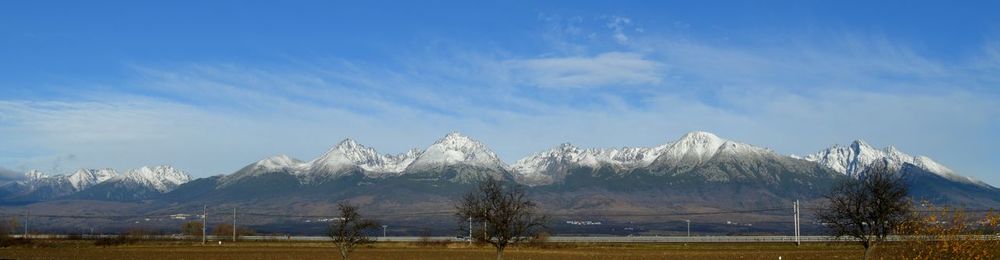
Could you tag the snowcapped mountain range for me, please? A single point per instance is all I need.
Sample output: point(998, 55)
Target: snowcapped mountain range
point(79, 180)
point(461, 159)
point(345, 158)
point(37, 184)
point(348, 158)
point(551, 166)
point(692, 149)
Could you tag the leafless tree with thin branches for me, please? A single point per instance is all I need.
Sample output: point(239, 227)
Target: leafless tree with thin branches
point(869, 208)
point(504, 210)
point(349, 231)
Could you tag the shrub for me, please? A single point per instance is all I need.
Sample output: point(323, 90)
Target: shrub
point(112, 241)
point(951, 234)
point(540, 239)
point(9, 242)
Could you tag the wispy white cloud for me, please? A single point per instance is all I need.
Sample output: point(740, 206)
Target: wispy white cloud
point(618, 26)
point(849, 62)
point(606, 69)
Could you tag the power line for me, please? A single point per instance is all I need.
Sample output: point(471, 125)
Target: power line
point(932, 211)
point(234, 224)
point(204, 225)
point(450, 212)
point(670, 214)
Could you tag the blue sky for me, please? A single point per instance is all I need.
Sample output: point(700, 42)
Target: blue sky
point(210, 87)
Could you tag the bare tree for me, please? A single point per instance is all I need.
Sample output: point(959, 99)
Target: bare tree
point(191, 228)
point(505, 212)
point(7, 228)
point(349, 231)
point(869, 208)
point(226, 230)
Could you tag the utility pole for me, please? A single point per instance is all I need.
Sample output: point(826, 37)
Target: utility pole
point(470, 231)
point(689, 226)
point(798, 222)
point(204, 223)
point(796, 208)
point(795, 220)
point(234, 224)
point(27, 215)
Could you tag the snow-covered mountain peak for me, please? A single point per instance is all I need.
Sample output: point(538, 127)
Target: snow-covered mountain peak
point(695, 148)
point(84, 178)
point(456, 148)
point(701, 143)
point(162, 178)
point(850, 160)
point(549, 166)
point(65, 183)
point(697, 145)
point(278, 162)
point(346, 153)
point(346, 158)
point(861, 144)
point(701, 137)
point(565, 152)
point(273, 164)
point(394, 164)
point(456, 139)
point(34, 175)
point(567, 148)
point(348, 144)
point(349, 156)
point(854, 159)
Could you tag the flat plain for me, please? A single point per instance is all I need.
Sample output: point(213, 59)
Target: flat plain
point(451, 251)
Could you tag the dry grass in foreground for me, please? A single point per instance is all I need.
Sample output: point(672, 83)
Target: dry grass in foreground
point(455, 251)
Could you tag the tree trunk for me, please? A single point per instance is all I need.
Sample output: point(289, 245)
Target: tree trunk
point(344, 254)
point(868, 251)
point(499, 253)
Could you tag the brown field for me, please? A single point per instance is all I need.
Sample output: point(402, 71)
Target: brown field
point(303, 250)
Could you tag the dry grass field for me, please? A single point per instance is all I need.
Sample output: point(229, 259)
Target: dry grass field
point(301, 250)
